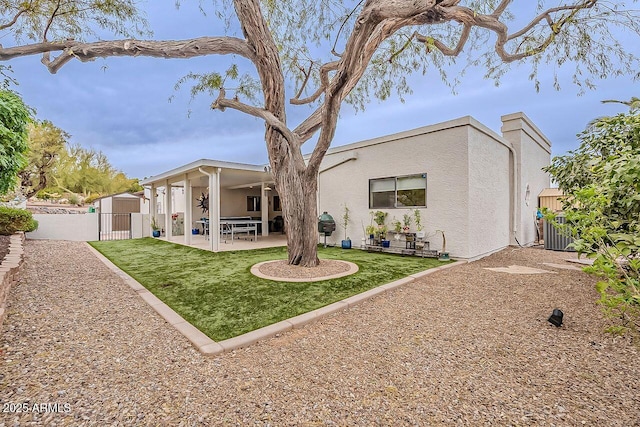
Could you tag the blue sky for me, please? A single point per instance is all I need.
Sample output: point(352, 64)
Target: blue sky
point(121, 106)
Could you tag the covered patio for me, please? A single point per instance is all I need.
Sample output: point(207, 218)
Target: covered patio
point(197, 202)
point(199, 241)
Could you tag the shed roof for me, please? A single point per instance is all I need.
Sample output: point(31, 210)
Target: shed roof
point(551, 192)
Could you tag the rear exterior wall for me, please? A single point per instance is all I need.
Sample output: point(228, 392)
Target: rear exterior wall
point(441, 154)
point(489, 194)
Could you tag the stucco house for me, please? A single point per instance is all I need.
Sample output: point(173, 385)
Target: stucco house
point(475, 186)
point(478, 187)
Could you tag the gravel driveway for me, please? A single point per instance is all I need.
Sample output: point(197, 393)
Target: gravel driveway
point(464, 346)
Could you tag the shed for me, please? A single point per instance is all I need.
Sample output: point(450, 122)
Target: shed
point(551, 198)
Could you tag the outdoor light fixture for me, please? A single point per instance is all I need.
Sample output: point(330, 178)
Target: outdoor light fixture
point(556, 317)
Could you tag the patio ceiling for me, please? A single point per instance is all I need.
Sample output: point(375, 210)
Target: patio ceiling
point(232, 175)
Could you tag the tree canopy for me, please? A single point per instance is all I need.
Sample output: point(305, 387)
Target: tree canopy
point(88, 172)
point(46, 143)
point(321, 54)
point(14, 118)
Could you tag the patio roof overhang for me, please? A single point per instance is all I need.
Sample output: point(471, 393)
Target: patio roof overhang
point(233, 175)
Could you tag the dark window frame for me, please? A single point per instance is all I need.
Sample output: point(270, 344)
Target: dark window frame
point(395, 191)
point(253, 204)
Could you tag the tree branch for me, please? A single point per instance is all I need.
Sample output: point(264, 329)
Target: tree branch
point(15, 18)
point(547, 15)
point(50, 21)
point(168, 49)
point(501, 8)
point(324, 79)
point(270, 119)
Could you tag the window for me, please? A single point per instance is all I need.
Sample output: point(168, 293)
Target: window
point(253, 203)
point(276, 203)
point(398, 192)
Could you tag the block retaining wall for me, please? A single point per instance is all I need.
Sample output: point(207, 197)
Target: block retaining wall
point(9, 270)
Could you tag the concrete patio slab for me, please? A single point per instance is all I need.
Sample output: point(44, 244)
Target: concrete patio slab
point(519, 269)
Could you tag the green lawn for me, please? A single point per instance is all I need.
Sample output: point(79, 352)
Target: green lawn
point(217, 294)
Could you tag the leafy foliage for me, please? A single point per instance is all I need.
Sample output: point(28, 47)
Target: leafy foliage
point(14, 118)
point(87, 171)
point(12, 220)
point(46, 143)
point(602, 180)
point(58, 20)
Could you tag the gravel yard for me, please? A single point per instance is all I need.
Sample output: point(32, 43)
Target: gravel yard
point(463, 346)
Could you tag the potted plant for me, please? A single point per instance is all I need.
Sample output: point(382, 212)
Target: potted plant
point(406, 222)
point(379, 217)
point(346, 243)
point(382, 230)
point(370, 231)
point(155, 227)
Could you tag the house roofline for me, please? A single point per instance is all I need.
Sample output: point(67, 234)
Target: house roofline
point(118, 194)
point(195, 165)
point(437, 127)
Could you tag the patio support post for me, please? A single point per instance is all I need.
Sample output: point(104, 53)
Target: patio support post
point(188, 215)
point(167, 210)
point(265, 210)
point(214, 208)
point(153, 205)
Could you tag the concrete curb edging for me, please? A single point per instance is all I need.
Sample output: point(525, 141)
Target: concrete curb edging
point(255, 270)
point(11, 265)
point(208, 347)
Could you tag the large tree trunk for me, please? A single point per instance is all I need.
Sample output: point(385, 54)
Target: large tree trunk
point(298, 193)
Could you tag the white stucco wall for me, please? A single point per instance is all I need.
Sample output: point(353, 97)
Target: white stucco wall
point(534, 153)
point(440, 151)
point(76, 227)
point(470, 182)
point(489, 193)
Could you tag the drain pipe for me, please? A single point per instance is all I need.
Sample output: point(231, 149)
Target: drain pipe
point(214, 215)
point(514, 195)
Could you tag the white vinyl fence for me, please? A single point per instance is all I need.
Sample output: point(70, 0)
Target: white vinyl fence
point(82, 227)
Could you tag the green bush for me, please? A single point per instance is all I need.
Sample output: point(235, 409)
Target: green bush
point(12, 220)
point(90, 198)
point(74, 199)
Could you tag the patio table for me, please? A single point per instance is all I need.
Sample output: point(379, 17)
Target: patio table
point(233, 227)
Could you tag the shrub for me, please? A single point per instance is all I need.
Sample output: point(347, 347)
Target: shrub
point(602, 211)
point(90, 198)
point(74, 199)
point(12, 220)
